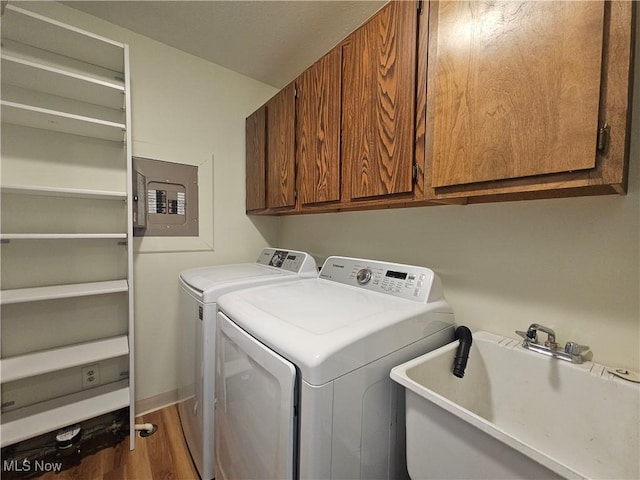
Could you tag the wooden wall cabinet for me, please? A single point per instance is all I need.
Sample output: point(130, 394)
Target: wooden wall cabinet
point(318, 130)
point(256, 158)
point(281, 115)
point(344, 128)
point(270, 155)
point(378, 104)
point(521, 96)
point(455, 102)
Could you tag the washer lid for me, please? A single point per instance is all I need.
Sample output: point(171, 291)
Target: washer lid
point(329, 329)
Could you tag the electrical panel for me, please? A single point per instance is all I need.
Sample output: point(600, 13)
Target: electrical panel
point(166, 198)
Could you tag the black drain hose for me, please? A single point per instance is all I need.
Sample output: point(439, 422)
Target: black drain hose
point(463, 334)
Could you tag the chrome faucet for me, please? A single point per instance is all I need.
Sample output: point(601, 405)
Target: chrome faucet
point(572, 351)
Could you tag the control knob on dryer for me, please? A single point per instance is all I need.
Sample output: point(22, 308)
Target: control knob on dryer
point(364, 276)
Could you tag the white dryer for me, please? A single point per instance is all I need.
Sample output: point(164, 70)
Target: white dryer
point(199, 292)
point(302, 373)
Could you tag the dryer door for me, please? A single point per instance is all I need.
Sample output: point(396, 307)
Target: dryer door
point(255, 418)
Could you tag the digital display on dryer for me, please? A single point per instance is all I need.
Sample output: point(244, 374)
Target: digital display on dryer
point(392, 274)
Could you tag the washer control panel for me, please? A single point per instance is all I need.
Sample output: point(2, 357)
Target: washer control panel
point(406, 281)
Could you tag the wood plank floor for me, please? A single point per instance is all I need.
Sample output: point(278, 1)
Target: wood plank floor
point(161, 456)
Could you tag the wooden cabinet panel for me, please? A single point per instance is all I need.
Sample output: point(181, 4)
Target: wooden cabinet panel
point(256, 144)
point(513, 89)
point(281, 111)
point(318, 130)
point(378, 88)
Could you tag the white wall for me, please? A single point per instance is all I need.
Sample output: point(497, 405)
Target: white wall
point(184, 110)
point(571, 264)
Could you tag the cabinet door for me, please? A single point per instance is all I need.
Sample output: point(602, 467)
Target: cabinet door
point(318, 130)
point(513, 89)
point(281, 117)
point(378, 85)
point(256, 150)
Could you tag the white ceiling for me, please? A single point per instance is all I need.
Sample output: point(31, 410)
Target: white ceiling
point(270, 41)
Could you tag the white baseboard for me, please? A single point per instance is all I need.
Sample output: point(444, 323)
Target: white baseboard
point(148, 405)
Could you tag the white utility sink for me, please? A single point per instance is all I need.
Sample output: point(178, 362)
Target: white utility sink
point(518, 414)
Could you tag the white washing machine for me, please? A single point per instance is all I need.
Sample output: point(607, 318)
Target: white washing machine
point(302, 373)
point(200, 289)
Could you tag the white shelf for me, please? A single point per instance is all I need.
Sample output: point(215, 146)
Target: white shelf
point(63, 192)
point(36, 117)
point(54, 292)
point(32, 29)
point(61, 236)
point(63, 63)
point(55, 81)
point(48, 416)
point(38, 363)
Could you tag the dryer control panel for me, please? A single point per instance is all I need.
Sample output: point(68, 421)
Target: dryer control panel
point(407, 281)
point(290, 260)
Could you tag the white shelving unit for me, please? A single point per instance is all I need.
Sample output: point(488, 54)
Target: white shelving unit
point(45, 77)
point(54, 292)
point(62, 192)
point(62, 79)
point(44, 118)
point(62, 411)
point(54, 236)
point(39, 363)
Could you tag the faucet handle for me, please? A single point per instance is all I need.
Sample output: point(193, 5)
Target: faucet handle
point(528, 337)
point(531, 335)
point(573, 348)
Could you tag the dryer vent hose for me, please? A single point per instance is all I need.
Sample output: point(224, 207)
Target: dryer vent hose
point(463, 334)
